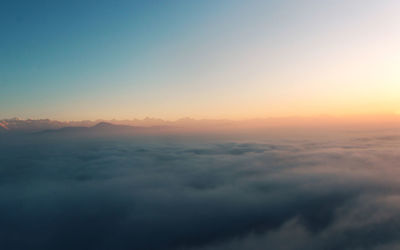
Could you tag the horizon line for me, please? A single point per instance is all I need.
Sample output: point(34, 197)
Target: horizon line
point(332, 116)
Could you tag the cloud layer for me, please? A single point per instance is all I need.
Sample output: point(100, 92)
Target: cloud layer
point(167, 193)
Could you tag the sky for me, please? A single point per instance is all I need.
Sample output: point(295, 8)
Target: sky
point(75, 60)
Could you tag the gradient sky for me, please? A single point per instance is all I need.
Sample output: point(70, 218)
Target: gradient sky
point(73, 60)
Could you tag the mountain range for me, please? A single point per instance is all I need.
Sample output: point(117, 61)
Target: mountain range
point(151, 124)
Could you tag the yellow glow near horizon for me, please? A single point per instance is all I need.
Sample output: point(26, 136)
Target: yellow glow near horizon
point(232, 60)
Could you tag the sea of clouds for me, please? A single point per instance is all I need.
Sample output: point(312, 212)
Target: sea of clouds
point(221, 194)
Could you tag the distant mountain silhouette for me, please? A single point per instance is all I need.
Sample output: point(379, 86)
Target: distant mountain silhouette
point(110, 126)
point(102, 128)
point(104, 125)
point(19, 126)
point(32, 126)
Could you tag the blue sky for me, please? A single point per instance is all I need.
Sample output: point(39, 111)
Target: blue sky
point(205, 59)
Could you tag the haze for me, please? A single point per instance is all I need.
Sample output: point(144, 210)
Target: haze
point(199, 125)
